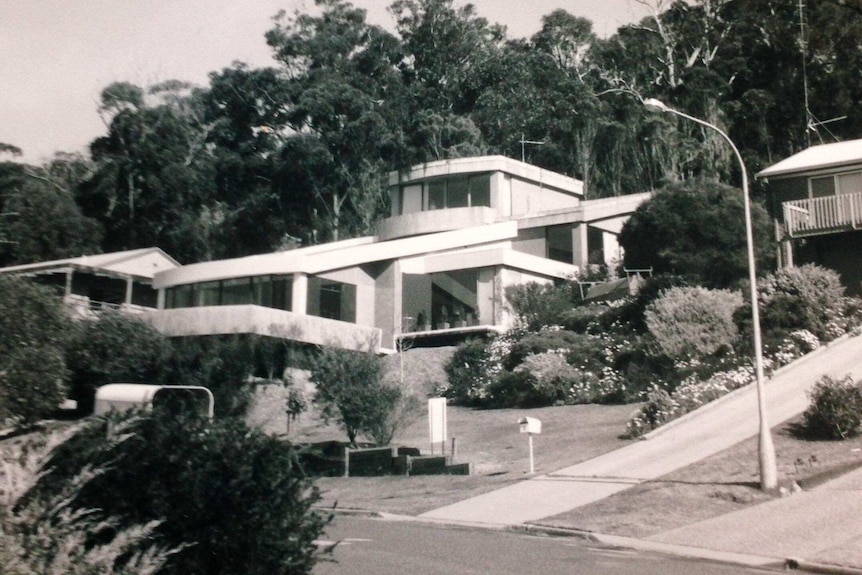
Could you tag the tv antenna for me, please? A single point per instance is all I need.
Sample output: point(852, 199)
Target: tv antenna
point(812, 124)
point(524, 144)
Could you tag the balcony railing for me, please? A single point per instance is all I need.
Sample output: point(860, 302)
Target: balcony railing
point(827, 215)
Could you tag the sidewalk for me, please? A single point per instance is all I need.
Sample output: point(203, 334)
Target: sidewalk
point(822, 526)
point(711, 429)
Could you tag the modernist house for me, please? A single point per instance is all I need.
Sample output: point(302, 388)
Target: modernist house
point(815, 200)
point(117, 280)
point(459, 233)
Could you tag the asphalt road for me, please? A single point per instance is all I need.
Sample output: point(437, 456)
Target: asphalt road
point(386, 547)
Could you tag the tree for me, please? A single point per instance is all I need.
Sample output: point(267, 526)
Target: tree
point(696, 228)
point(232, 499)
point(115, 348)
point(34, 330)
point(350, 390)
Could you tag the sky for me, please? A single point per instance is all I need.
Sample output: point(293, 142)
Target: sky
point(58, 55)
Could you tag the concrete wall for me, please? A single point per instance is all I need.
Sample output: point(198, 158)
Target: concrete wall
point(531, 241)
point(529, 197)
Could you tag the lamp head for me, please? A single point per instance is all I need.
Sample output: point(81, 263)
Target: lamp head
point(654, 105)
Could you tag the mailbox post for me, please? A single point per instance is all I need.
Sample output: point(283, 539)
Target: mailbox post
point(530, 425)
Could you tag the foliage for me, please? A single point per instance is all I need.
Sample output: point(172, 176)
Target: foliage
point(224, 365)
point(350, 389)
point(465, 370)
point(807, 297)
point(835, 409)
point(114, 348)
point(696, 228)
point(538, 305)
point(693, 322)
point(238, 498)
point(34, 330)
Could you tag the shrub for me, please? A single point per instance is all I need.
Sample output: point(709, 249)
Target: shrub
point(549, 340)
point(34, 330)
point(693, 322)
point(223, 364)
point(114, 348)
point(350, 389)
point(835, 411)
point(467, 372)
point(806, 297)
point(538, 305)
point(239, 498)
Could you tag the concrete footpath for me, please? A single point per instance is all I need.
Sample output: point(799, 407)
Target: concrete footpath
point(821, 527)
point(711, 429)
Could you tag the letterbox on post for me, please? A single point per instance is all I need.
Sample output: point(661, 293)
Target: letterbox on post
point(530, 425)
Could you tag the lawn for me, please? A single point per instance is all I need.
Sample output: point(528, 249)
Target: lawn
point(490, 440)
point(722, 483)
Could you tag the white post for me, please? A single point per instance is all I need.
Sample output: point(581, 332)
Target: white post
point(532, 468)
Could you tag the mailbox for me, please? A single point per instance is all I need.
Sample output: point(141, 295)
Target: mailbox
point(530, 425)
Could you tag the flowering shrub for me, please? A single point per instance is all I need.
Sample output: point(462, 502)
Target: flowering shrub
point(693, 321)
point(808, 297)
point(659, 408)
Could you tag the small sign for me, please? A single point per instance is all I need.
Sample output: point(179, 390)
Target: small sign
point(437, 420)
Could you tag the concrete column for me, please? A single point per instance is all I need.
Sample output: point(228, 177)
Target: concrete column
point(129, 287)
point(580, 249)
point(611, 248)
point(161, 299)
point(299, 302)
point(68, 289)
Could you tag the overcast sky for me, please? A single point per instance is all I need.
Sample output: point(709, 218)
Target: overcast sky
point(57, 55)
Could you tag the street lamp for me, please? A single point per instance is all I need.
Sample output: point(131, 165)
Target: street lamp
point(766, 449)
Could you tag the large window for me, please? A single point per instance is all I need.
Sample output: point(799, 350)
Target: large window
point(266, 291)
point(823, 186)
point(331, 299)
point(454, 192)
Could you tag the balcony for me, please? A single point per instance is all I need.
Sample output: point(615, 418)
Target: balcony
point(433, 221)
point(826, 215)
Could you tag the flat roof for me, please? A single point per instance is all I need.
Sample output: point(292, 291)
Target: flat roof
point(142, 263)
point(820, 157)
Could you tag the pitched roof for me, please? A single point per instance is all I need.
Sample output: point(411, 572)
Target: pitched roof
point(816, 158)
point(144, 262)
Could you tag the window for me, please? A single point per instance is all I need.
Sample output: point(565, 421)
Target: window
point(821, 187)
point(458, 192)
point(266, 291)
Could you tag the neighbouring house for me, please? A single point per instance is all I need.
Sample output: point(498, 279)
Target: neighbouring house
point(116, 280)
point(815, 200)
point(460, 231)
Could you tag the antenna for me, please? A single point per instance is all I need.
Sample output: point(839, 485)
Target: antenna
point(524, 143)
point(811, 122)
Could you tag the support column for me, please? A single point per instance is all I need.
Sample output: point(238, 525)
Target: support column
point(129, 287)
point(299, 299)
point(580, 247)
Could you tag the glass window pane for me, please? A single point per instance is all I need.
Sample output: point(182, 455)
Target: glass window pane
point(207, 293)
point(411, 199)
point(821, 187)
point(437, 195)
point(237, 292)
point(458, 193)
point(480, 190)
point(850, 183)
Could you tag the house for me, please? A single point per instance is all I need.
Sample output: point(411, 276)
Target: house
point(815, 200)
point(117, 280)
point(460, 231)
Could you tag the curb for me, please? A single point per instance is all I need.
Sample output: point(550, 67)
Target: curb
point(618, 542)
point(746, 388)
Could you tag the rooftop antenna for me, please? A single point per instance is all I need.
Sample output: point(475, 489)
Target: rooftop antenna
point(811, 122)
point(523, 146)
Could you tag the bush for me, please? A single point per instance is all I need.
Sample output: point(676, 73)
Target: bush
point(114, 348)
point(350, 389)
point(806, 297)
point(835, 411)
point(34, 331)
point(237, 498)
point(539, 305)
point(466, 372)
point(693, 322)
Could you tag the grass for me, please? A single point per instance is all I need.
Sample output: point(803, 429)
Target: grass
point(722, 483)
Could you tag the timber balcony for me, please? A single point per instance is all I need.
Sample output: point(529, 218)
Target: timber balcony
point(826, 215)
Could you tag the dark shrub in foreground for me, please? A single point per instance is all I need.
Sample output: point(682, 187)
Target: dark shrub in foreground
point(238, 498)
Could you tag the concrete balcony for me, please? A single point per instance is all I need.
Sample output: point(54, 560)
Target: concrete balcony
point(432, 221)
point(253, 319)
point(826, 215)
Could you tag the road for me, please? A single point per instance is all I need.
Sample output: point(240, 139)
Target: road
point(386, 547)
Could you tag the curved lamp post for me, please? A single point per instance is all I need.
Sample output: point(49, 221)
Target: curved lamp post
point(766, 449)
